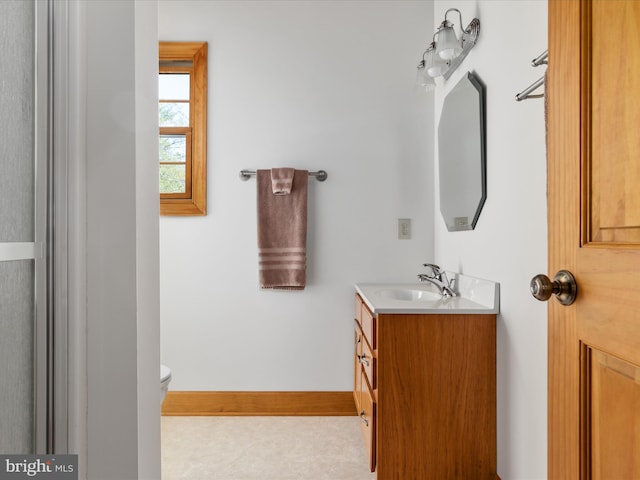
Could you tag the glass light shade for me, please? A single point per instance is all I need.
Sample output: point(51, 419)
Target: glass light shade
point(423, 80)
point(448, 46)
point(434, 65)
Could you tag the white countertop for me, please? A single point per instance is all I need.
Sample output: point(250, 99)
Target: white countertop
point(475, 296)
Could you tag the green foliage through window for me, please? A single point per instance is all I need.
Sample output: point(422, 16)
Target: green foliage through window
point(172, 178)
point(173, 155)
point(174, 114)
point(173, 148)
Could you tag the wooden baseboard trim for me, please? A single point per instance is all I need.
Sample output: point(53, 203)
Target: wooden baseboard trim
point(190, 403)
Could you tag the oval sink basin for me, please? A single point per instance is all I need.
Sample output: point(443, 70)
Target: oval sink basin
point(410, 295)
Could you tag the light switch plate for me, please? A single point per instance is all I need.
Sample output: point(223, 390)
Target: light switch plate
point(404, 228)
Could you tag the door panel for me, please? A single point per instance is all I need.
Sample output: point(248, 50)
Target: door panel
point(17, 144)
point(615, 424)
point(17, 221)
point(608, 286)
point(593, 147)
point(24, 390)
point(17, 356)
point(613, 183)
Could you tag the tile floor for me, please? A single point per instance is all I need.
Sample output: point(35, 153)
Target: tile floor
point(263, 448)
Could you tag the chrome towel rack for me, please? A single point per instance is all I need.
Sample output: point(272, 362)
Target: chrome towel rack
point(541, 59)
point(320, 175)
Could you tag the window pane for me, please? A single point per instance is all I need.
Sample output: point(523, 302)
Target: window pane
point(173, 86)
point(174, 114)
point(172, 178)
point(173, 149)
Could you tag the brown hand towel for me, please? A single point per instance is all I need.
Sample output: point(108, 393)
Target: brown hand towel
point(282, 232)
point(282, 180)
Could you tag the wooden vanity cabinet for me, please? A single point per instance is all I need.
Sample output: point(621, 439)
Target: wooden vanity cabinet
point(364, 382)
point(428, 398)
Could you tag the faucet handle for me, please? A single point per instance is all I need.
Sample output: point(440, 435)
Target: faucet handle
point(453, 284)
point(435, 269)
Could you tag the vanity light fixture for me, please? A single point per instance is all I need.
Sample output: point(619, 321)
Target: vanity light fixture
point(447, 50)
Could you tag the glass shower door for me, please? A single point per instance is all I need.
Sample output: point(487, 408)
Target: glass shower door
point(22, 230)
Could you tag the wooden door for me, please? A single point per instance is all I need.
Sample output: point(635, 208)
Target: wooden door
point(593, 95)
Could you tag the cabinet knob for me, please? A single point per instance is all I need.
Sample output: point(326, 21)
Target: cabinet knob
point(363, 417)
point(363, 359)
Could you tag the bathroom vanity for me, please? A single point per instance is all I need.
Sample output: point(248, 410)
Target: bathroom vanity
point(425, 379)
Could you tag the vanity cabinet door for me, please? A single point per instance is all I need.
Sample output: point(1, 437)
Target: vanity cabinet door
point(357, 369)
point(365, 405)
point(368, 323)
point(365, 377)
point(368, 424)
point(368, 362)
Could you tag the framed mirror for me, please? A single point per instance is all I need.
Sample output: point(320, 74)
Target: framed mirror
point(462, 154)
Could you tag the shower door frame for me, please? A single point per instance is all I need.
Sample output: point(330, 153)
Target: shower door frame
point(57, 420)
point(52, 413)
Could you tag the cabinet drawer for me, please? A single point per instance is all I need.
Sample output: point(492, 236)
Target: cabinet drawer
point(368, 362)
point(368, 425)
point(368, 323)
point(357, 339)
point(357, 368)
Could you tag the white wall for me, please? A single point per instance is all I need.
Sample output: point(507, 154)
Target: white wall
point(509, 243)
point(317, 85)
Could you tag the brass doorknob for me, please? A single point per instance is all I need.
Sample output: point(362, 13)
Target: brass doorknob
point(563, 286)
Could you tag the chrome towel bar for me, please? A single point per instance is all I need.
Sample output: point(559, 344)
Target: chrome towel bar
point(320, 175)
point(526, 93)
point(541, 59)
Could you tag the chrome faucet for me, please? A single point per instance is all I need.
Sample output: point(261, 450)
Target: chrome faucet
point(439, 278)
